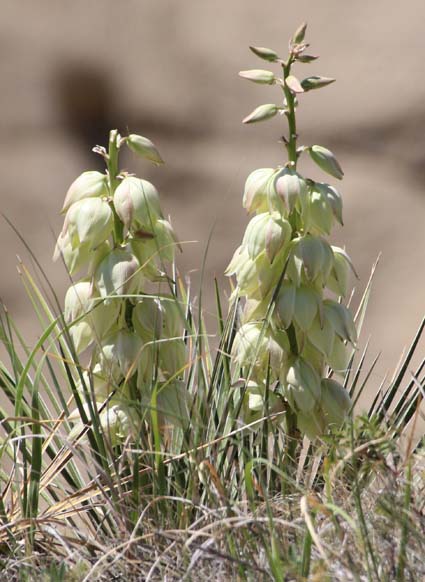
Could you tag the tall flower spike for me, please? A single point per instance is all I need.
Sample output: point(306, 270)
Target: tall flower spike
point(114, 229)
point(285, 258)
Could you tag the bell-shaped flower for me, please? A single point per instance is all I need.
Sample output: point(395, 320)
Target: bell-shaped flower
point(78, 300)
point(137, 203)
point(255, 309)
point(74, 259)
point(89, 185)
point(158, 316)
point(117, 420)
point(302, 386)
point(118, 273)
point(338, 279)
point(341, 320)
point(311, 255)
point(250, 345)
point(172, 357)
point(255, 192)
point(335, 402)
point(147, 366)
point(333, 198)
point(339, 358)
point(257, 347)
point(288, 191)
point(96, 384)
point(147, 256)
point(285, 304)
point(82, 255)
point(83, 306)
point(307, 304)
point(259, 401)
point(81, 334)
point(310, 353)
point(312, 424)
point(322, 335)
point(165, 240)
point(119, 354)
point(257, 277)
point(266, 232)
point(299, 304)
point(171, 402)
point(318, 217)
point(149, 318)
point(88, 221)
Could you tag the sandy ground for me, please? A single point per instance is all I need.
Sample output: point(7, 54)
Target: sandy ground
point(70, 71)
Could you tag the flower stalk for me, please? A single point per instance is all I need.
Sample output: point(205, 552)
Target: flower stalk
point(285, 270)
point(114, 231)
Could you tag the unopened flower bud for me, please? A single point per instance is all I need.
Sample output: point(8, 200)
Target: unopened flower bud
point(303, 58)
point(89, 185)
point(299, 34)
point(142, 146)
point(88, 221)
point(315, 82)
point(264, 53)
point(326, 161)
point(258, 76)
point(261, 113)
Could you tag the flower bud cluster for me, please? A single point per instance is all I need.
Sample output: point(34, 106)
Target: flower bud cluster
point(115, 231)
point(293, 326)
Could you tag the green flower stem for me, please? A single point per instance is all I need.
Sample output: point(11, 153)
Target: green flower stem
point(112, 164)
point(291, 145)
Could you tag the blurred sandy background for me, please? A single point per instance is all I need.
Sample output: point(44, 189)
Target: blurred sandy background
point(72, 70)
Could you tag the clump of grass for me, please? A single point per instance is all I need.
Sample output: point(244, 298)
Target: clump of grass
point(222, 497)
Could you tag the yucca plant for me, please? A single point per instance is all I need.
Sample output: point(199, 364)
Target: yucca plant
point(132, 449)
point(293, 334)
